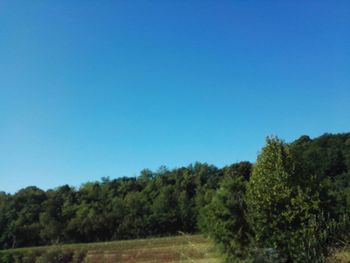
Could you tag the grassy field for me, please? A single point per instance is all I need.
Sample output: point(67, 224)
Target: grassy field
point(182, 248)
point(341, 256)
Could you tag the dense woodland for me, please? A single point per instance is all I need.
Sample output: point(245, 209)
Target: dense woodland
point(296, 197)
point(153, 204)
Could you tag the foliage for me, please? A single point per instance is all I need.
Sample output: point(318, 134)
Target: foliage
point(43, 255)
point(225, 219)
point(154, 204)
point(284, 214)
point(294, 206)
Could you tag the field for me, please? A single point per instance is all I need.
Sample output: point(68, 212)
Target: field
point(341, 256)
point(182, 248)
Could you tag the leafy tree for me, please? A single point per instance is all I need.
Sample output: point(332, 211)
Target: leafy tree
point(299, 190)
point(225, 219)
point(51, 219)
point(134, 224)
point(284, 216)
point(164, 219)
point(25, 227)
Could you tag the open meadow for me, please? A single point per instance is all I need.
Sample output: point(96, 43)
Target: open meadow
point(182, 248)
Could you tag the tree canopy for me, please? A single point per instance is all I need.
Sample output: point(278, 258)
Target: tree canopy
point(293, 201)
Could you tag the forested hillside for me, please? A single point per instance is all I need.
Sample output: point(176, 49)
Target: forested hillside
point(154, 204)
point(200, 197)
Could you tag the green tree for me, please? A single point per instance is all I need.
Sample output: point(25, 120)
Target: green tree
point(52, 221)
point(164, 218)
point(284, 215)
point(25, 227)
point(224, 219)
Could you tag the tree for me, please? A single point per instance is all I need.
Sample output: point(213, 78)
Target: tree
point(284, 215)
point(25, 227)
point(224, 219)
point(298, 197)
point(164, 218)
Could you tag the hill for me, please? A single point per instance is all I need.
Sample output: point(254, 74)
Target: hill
point(199, 198)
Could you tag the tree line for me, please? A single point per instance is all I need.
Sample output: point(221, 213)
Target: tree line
point(292, 204)
point(153, 204)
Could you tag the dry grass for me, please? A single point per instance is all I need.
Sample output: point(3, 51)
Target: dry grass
point(177, 249)
point(340, 256)
point(174, 249)
point(181, 249)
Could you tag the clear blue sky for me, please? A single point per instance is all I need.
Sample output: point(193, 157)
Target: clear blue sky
point(106, 88)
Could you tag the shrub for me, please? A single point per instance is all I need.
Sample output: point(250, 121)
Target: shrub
point(56, 256)
point(30, 256)
point(79, 256)
point(6, 258)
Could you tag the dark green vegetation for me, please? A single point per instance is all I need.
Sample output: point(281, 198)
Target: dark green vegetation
point(154, 204)
point(182, 248)
point(295, 207)
point(292, 206)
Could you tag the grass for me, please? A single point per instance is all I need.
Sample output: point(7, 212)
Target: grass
point(340, 256)
point(178, 249)
point(183, 248)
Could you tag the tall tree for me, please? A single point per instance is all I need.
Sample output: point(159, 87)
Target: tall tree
point(282, 213)
point(225, 219)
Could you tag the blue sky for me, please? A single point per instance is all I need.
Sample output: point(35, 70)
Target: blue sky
point(107, 88)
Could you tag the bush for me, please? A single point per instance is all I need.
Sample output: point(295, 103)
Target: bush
point(79, 256)
point(30, 256)
point(6, 258)
point(55, 256)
